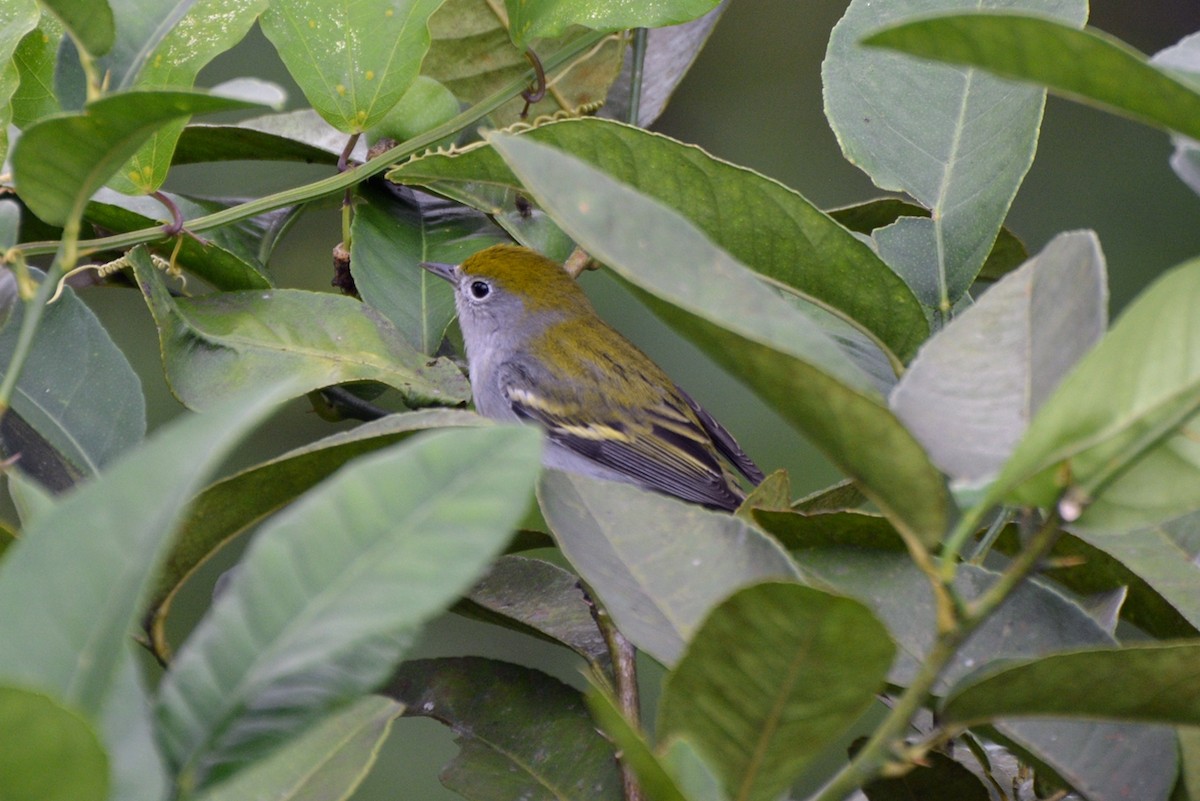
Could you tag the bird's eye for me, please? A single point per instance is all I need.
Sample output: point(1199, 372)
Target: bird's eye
point(480, 289)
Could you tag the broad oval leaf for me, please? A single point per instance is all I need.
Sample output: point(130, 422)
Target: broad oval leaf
point(328, 761)
point(958, 140)
point(522, 734)
point(531, 19)
point(656, 563)
point(48, 751)
point(309, 620)
point(35, 59)
point(1081, 64)
point(772, 674)
point(743, 324)
point(972, 390)
point(59, 162)
point(16, 20)
point(214, 344)
point(78, 403)
point(71, 574)
point(89, 21)
point(353, 61)
point(234, 504)
point(1117, 432)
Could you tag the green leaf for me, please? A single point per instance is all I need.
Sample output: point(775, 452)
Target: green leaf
point(1184, 58)
point(214, 344)
point(656, 563)
point(473, 56)
point(310, 621)
point(170, 52)
point(90, 22)
point(226, 257)
point(1115, 432)
point(1189, 764)
point(353, 61)
point(539, 597)
point(297, 139)
point(78, 403)
point(390, 239)
point(425, 105)
point(48, 751)
point(971, 392)
point(694, 776)
point(72, 575)
point(137, 770)
point(766, 226)
point(234, 504)
point(522, 734)
point(958, 140)
point(743, 324)
point(634, 750)
point(807, 664)
point(1158, 684)
point(16, 20)
point(531, 19)
point(35, 58)
point(325, 763)
point(1086, 65)
point(59, 162)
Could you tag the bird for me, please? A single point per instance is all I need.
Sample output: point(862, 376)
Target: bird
point(537, 352)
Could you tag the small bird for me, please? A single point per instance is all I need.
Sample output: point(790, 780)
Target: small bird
point(538, 352)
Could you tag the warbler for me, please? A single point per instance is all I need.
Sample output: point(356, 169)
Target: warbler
point(537, 351)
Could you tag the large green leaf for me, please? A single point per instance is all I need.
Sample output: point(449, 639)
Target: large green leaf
point(1184, 58)
point(234, 504)
point(310, 620)
point(1115, 433)
point(89, 21)
point(59, 162)
point(805, 665)
point(214, 344)
point(72, 575)
point(1157, 683)
point(353, 60)
point(17, 19)
point(137, 769)
point(1085, 65)
point(48, 752)
point(766, 226)
point(170, 51)
point(325, 763)
point(522, 734)
point(35, 58)
point(971, 392)
point(742, 323)
point(391, 238)
point(78, 403)
point(656, 563)
point(958, 140)
point(531, 19)
point(473, 56)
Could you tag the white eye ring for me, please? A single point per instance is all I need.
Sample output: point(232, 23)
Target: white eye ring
point(480, 289)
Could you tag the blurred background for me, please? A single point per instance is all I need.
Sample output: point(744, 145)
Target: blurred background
point(753, 98)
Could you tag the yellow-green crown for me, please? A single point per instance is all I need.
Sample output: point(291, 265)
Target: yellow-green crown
point(541, 282)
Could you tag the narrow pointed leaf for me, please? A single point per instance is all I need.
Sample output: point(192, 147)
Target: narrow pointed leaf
point(522, 734)
point(1119, 429)
point(636, 755)
point(48, 751)
point(743, 324)
point(89, 21)
point(325, 763)
point(1086, 65)
point(310, 621)
point(59, 162)
point(531, 19)
point(353, 61)
point(1158, 684)
point(78, 403)
point(214, 344)
point(771, 676)
point(957, 139)
point(233, 505)
point(971, 392)
point(71, 573)
point(656, 563)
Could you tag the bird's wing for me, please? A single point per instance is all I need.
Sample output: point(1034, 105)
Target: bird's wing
point(724, 441)
point(665, 446)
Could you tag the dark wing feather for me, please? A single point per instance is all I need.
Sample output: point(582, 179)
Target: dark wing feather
point(636, 445)
point(724, 441)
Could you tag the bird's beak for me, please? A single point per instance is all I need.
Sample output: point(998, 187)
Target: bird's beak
point(442, 270)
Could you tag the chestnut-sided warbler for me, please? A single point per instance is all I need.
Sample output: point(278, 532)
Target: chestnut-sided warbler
point(537, 351)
